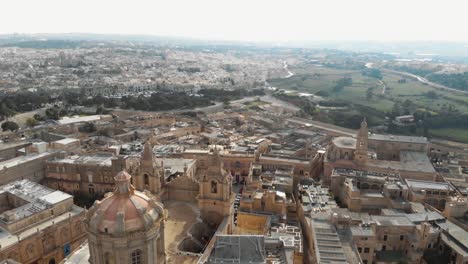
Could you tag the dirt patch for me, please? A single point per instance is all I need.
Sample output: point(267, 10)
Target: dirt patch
point(181, 217)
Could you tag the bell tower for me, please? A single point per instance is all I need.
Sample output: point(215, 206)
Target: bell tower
point(149, 176)
point(362, 143)
point(215, 194)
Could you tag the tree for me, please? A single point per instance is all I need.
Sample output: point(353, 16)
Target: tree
point(52, 113)
point(342, 83)
point(38, 117)
point(322, 93)
point(5, 111)
point(31, 122)
point(226, 103)
point(374, 73)
point(431, 94)
point(87, 127)
point(99, 110)
point(9, 125)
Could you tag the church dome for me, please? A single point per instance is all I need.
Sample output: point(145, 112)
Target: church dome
point(125, 210)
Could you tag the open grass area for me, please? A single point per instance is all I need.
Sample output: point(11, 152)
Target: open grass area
point(314, 78)
point(456, 134)
point(414, 91)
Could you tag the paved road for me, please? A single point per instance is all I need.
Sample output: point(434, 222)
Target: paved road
point(290, 73)
point(384, 87)
point(425, 81)
point(418, 78)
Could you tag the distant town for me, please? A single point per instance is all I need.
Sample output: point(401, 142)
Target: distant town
point(142, 151)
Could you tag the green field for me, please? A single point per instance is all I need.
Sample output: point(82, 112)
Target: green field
point(315, 78)
point(455, 134)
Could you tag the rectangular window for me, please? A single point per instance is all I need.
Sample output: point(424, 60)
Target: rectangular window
point(366, 250)
point(385, 237)
point(402, 237)
point(359, 249)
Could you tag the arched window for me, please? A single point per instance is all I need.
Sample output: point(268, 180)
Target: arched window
point(214, 187)
point(136, 257)
point(52, 261)
point(146, 177)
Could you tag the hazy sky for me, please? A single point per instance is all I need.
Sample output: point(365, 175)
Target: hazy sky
point(251, 20)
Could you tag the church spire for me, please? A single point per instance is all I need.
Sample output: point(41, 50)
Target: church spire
point(147, 152)
point(362, 142)
point(147, 158)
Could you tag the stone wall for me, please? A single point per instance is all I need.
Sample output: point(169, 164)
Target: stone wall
point(182, 189)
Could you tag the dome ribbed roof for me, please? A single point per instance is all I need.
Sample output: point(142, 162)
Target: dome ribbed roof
point(125, 210)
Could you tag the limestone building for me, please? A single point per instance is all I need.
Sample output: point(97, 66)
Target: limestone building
point(126, 227)
point(38, 224)
point(92, 174)
point(215, 197)
point(150, 175)
point(380, 153)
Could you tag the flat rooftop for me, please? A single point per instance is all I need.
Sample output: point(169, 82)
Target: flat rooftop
point(292, 160)
point(67, 141)
point(392, 220)
point(403, 166)
point(328, 246)
point(22, 159)
point(80, 119)
point(455, 236)
point(98, 159)
point(429, 185)
point(362, 173)
point(399, 138)
point(35, 197)
point(16, 144)
point(238, 249)
point(8, 239)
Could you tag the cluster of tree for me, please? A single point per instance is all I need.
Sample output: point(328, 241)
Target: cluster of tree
point(344, 119)
point(431, 95)
point(18, 102)
point(166, 101)
point(406, 107)
point(87, 127)
point(305, 104)
point(322, 93)
point(370, 93)
point(47, 44)
point(374, 73)
point(344, 64)
point(342, 83)
point(334, 103)
point(455, 80)
point(13, 103)
point(9, 125)
point(189, 69)
point(448, 117)
point(223, 95)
